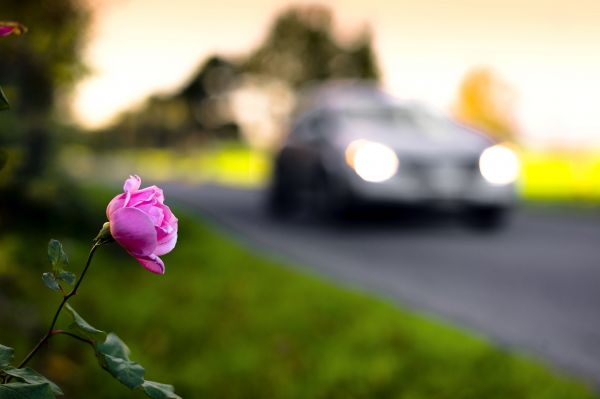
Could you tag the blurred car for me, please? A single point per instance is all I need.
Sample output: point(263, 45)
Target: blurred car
point(354, 145)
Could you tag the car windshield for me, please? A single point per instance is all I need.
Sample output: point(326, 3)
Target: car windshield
point(406, 121)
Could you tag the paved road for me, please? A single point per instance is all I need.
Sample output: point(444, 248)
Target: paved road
point(534, 286)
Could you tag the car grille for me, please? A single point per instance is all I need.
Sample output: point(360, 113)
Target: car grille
point(417, 166)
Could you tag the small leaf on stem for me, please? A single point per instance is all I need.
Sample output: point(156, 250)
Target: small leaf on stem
point(50, 281)
point(57, 256)
point(31, 376)
point(67, 277)
point(19, 390)
point(82, 328)
point(6, 355)
point(113, 346)
point(130, 374)
point(156, 390)
point(113, 356)
point(54, 251)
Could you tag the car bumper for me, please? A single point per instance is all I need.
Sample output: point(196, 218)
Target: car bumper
point(444, 186)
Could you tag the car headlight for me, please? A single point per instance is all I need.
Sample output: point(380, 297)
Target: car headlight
point(499, 165)
point(373, 162)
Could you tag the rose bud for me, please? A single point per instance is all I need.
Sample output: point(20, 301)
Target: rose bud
point(142, 224)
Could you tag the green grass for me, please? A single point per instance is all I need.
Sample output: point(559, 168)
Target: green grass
point(561, 176)
point(226, 163)
point(545, 175)
point(224, 322)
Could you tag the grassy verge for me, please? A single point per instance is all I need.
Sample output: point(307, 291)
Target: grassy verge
point(227, 323)
point(547, 176)
point(561, 176)
point(225, 163)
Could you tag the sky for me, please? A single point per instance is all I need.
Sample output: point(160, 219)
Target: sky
point(548, 51)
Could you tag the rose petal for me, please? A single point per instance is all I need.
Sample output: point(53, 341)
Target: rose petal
point(156, 214)
point(164, 233)
point(116, 203)
point(132, 184)
point(169, 218)
point(133, 230)
point(167, 244)
point(152, 263)
point(149, 194)
point(6, 30)
point(11, 28)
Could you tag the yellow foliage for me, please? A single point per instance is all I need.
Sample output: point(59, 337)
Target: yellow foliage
point(486, 102)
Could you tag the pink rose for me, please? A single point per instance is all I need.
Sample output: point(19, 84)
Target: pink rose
point(142, 224)
point(11, 28)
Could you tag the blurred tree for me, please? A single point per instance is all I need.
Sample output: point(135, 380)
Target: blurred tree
point(38, 70)
point(196, 113)
point(486, 102)
point(301, 48)
point(204, 96)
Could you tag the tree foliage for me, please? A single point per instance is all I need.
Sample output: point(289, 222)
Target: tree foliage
point(300, 49)
point(37, 71)
point(46, 62)
point(486, 102)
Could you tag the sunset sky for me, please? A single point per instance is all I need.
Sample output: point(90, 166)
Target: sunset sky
point(548, 51)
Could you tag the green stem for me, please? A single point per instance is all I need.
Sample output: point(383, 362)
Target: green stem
point(51, 331)
point(75, 336)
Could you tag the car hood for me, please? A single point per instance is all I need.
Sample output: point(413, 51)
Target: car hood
point(459, 142)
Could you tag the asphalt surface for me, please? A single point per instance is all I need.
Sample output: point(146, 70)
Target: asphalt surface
point(533, 286)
